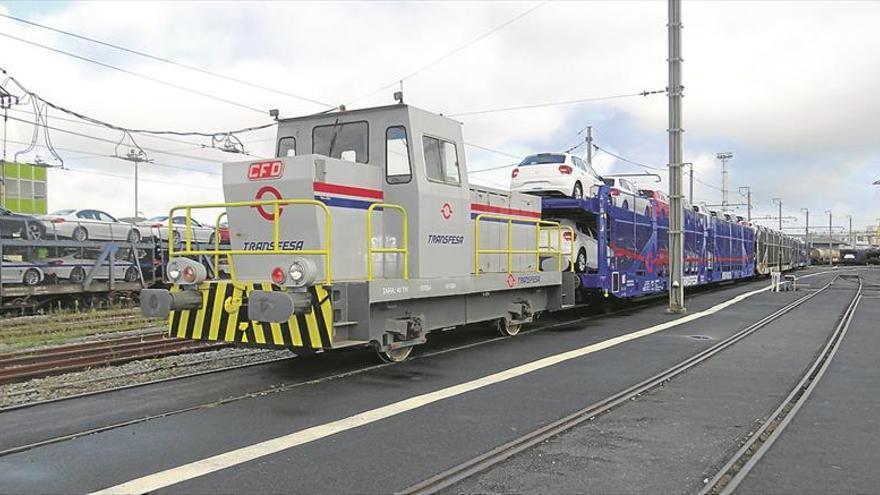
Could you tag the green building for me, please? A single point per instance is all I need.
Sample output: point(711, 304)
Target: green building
point(23, 187)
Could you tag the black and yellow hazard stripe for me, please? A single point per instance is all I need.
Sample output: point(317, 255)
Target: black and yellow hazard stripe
point(223, 317)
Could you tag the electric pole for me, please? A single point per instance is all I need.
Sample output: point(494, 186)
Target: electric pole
point(852, 241)
point(676, 214)
point(830, 257)
point(590, 145)
point(779, 248)
point(748, 200)
point(724, 156)
point(691, 187)
point(807, 228)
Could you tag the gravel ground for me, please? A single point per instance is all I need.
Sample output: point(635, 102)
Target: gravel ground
point(135, 372)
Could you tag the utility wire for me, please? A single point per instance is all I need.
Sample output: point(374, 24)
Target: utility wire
point(136, 74)
point(555, 103)
point(497, 167)
point(194, 145)
point(91, 154)
point(167, 61)
point(450, 53)
point(497, 152)
point(109, 141)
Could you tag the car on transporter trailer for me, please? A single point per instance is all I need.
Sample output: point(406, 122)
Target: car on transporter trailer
point(20, 272)
point(16, 224)
point(157, 228)
point(75, 267)
point(624, 194)
point(83, 225)
point(555, 174)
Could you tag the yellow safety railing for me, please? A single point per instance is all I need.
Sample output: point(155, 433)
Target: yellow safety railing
point(561, 228)
point(276, 232)
point(217, 250)
point(509, 251)
point(402, 250)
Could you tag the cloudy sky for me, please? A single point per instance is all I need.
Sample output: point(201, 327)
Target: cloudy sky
point(790, 87)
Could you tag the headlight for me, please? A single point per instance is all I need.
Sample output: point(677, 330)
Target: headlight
point(174, 271)
point(186, 271)
point(302, 272)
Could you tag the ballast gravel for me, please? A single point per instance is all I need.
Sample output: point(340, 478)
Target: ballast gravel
point(132, 373)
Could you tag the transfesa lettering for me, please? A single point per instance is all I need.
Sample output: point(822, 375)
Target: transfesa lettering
point(289, 245)
point(445, 239)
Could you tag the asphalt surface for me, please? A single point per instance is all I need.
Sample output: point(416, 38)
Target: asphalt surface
point(383, 456)
point(833, 444)
point(676, 437)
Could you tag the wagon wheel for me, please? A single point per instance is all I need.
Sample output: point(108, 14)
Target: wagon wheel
point(395, 355)
point(507, 328)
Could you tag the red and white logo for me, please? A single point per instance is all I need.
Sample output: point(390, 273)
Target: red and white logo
point(268, 193)
point(265, 170)
point(446, 211)
point(511, 280)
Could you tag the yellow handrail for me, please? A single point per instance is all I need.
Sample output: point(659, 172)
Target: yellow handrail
point(509, 251)
point(276, 231)
point(217, 249)
point(559, 228)
point(370, 249)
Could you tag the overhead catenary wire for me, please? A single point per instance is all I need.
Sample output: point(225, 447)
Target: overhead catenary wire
point(135, 74)
point(194, 145)
point(110, 141)
point(92, 154)
point(554, 103)
point(167, 61)
point(450, 53)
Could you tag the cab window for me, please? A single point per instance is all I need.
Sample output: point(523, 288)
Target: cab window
point(345, 141)
point(398, 169)
point(286, 147)
point(441, 160)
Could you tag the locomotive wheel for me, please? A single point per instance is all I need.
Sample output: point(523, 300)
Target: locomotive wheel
point(506, 328)
point(395, 355)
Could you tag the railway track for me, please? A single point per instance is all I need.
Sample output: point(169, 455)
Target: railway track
point(489, 459)
point(740, 465)
point(290, 386)
point(25, 365)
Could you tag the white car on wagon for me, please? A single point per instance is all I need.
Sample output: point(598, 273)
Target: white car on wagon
point(579, 246)
point(555, 174)
point(84, 225)
point(20, 272)
point(624, 194)
point(157, 227)
point(74, 267)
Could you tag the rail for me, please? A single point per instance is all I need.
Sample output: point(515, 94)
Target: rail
point(371, 250)
point(324, 252)
point(509, 251)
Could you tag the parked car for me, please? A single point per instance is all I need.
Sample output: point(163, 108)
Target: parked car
point(157, 227)
point(24, 226)
point(20, 272)
point(624, 194)
point(580, 240)
point(659, 198)
point(83, 225)
point(555, 174)
point(75, 267)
